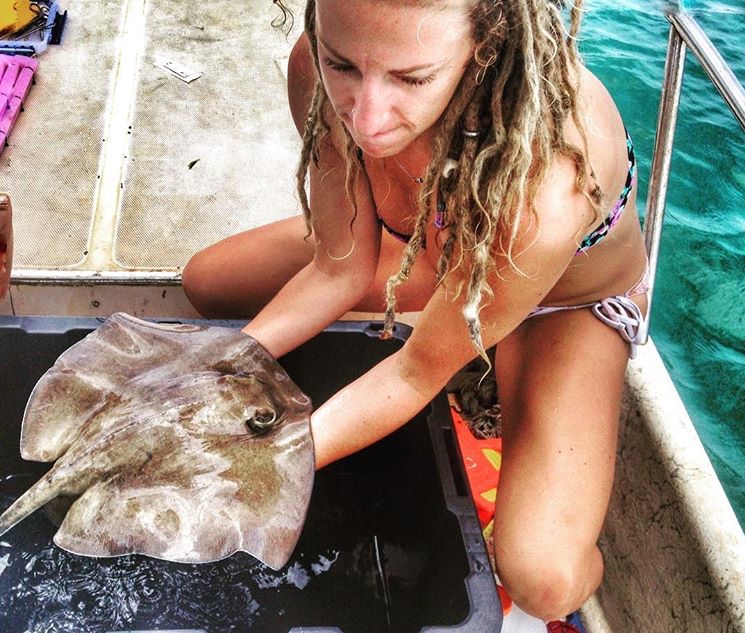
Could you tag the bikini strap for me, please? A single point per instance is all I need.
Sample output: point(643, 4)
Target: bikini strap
point(624, 316)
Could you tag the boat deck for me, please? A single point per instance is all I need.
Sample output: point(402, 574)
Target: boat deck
point(119, 171)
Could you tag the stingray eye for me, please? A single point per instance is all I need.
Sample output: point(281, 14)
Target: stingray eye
point(261, 420)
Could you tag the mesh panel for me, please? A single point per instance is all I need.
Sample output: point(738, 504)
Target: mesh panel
point(215, 156)
point(206, 159)
point(51, 163)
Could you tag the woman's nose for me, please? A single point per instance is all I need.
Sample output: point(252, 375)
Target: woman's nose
point(372, 108)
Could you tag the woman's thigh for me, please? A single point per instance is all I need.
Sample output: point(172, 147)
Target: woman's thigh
point(560, 379)
point(239, 275)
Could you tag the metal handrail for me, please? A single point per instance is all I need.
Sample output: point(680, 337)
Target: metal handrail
point(712, 62)
point(685, 32)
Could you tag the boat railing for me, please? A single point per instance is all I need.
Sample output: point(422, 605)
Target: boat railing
point(685, 33)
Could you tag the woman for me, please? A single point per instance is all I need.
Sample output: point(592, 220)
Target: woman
point(462, 162)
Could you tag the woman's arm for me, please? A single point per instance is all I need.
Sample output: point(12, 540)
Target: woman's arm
point(343, 266)
point(395, 390)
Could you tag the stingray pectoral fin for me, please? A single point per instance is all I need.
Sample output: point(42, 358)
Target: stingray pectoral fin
point(122, 517)
point(273, 476)
point(92, 377)
point(247, 493)
point(59, 406)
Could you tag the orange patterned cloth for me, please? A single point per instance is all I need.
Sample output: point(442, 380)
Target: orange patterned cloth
point(482, 460)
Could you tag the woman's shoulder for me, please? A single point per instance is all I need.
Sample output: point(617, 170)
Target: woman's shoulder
point(301, 80)
point(599, 129)
point(604, 129)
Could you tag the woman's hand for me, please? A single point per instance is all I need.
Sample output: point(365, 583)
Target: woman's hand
point(6, 243)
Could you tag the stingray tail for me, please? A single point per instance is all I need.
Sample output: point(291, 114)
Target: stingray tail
point(33, 499)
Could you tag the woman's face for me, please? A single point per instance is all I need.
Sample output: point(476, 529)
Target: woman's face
point(389, 68)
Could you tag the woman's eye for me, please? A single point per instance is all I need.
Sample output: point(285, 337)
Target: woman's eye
point(416, 81)
point(405, 79)
point(342, 68)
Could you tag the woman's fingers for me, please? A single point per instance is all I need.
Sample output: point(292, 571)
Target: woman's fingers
point(6, 243)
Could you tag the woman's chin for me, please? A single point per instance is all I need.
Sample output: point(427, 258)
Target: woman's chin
point(382, 148)
point(384, 144)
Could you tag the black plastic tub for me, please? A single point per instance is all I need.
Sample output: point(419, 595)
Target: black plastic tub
point(392, 543)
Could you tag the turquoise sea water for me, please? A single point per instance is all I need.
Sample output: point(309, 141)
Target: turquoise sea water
point(698, 319)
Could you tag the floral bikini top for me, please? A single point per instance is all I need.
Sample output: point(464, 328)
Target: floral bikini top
point(592, 238)
point(600, 231)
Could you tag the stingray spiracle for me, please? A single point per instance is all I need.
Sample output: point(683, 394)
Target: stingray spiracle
point(261, 420)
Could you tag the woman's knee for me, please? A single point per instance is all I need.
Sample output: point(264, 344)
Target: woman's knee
point(200, 283)
point(550, 584)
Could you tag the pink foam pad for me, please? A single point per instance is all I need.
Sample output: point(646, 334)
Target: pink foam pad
point(16, 75)
point(25, 62)
point(18, 94)
point(6, 84)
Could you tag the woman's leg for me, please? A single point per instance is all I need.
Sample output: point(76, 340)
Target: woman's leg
point(560, 378)
point(238, 276)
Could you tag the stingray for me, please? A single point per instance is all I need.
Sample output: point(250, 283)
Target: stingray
point(182, 442)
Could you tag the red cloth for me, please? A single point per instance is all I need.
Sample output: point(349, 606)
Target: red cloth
point(482, 460)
